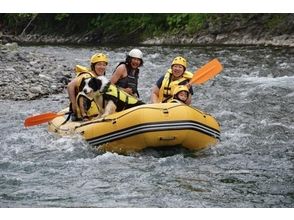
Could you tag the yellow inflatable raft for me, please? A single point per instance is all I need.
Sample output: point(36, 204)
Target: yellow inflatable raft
point(149, 125)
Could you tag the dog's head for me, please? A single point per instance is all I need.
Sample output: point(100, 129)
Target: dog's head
point(93, 84)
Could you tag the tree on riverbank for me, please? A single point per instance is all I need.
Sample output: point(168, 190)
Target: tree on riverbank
point(135, 28)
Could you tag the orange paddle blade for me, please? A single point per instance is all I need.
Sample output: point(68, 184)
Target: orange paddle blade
point(206, 72)
point(39, 119)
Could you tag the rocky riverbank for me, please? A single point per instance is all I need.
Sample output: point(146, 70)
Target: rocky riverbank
point(232, 38)
point(225, 39)
point(254, 29)
point(27, 76)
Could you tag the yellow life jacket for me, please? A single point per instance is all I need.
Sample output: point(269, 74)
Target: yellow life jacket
point(168, 86)
point(120, 97)
point(83, 73)
point(92, 110)
point(81, 69)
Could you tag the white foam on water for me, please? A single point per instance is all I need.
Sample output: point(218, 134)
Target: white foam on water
point(284, 81)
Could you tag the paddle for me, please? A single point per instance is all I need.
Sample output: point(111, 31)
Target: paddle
point(42, 118)
point(206, 72)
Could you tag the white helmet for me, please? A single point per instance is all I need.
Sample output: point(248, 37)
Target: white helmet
point(136, 53)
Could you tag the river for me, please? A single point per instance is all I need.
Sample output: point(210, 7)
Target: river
point(252, 166)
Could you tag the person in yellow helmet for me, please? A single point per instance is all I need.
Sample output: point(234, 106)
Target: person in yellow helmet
point(98, 63)
point(181, 93)
point(126, 74)
point(177, 75)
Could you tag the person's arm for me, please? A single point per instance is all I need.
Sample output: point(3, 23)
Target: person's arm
point(191, 92)
point(155, 91)
point(82, 109)
point(189, 100)
point(155, 94)
point(71, 89)
point(118, 74)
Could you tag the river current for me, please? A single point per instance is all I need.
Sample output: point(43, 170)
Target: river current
point(252, 165)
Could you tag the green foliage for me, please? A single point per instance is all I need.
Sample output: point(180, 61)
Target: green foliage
point(122, 23)
point(17, 22)
point(186, 23)
point(60, 17)
point(95, 22)
point(196, 22)
point(274, 21)
point(129, 25)
point(177, 22)
point(136, 27)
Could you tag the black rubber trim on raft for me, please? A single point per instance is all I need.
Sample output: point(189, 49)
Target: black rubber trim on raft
point(151, 127)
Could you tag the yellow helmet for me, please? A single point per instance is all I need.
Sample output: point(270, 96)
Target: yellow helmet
point(180, 60)
point(99, 57)
point(180, 88)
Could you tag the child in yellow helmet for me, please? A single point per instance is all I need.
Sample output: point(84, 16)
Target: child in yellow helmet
point(181, 94)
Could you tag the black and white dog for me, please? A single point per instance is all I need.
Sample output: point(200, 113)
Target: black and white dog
point(108, 96)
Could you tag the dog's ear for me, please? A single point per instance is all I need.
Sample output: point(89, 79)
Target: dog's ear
point(95, 84)
point(82, 85)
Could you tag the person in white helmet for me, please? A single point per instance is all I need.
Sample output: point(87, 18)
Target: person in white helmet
point(126, 74)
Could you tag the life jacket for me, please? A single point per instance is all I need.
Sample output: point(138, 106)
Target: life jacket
point(81, 69)
point(82, 73)
point(92, 110)
point(130, 81)
point(167, 87)
point(119, 97)
point(175, 101)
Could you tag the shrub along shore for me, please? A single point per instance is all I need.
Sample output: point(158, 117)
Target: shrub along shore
point(148, 29)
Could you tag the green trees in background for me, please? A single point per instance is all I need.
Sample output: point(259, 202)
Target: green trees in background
point(136, 27)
